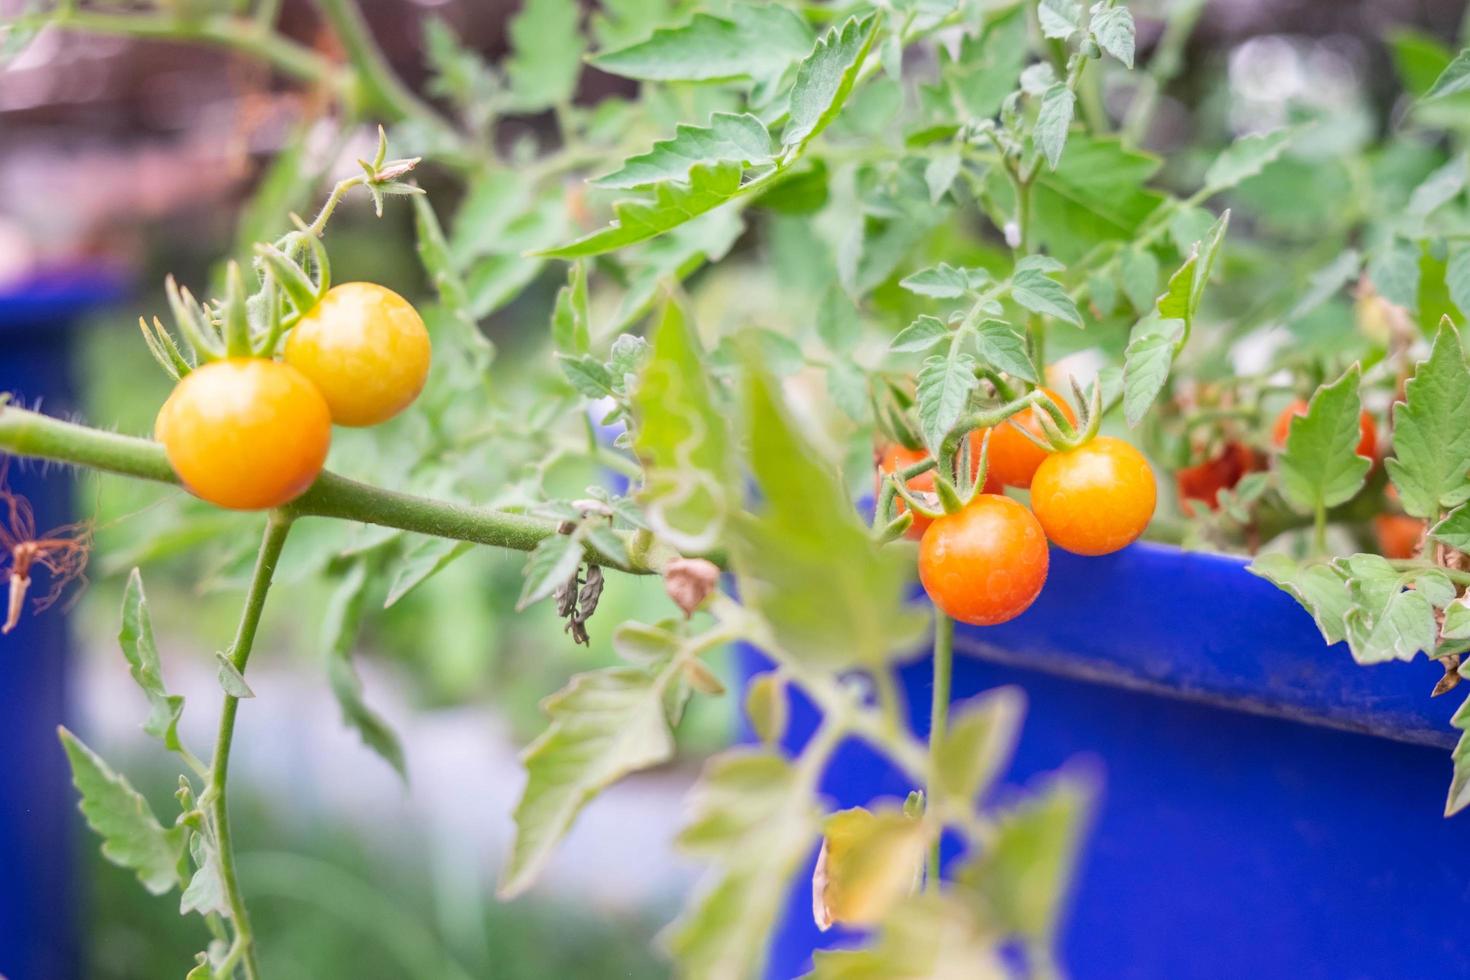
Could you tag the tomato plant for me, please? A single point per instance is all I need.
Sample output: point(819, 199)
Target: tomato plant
point(816, 228)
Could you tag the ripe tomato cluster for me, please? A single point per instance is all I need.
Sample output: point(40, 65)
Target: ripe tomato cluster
point(987, 562)
point(249, 433)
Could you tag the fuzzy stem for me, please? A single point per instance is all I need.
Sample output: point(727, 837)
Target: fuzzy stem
point(939, 716)
point(276, 529)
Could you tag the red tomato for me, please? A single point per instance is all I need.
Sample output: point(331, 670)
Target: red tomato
point(1096, 498)
point(895, 457)
point(1204, 481)
point(1013, 457)
point(985, 564)
point(1367, 428)
point(1398, 535)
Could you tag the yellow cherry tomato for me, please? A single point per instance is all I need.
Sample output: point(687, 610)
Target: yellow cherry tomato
point(365, 348)
point(1096, 498)
point(245, 433)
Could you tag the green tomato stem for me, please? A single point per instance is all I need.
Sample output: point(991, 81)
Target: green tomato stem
point(27, 433)
point(277, 527)
point(939, 719)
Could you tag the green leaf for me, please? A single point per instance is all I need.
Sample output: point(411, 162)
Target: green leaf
point(131, 835)
point(230, 678)
point(547, 54)
point(1438, 189)
point(682, 438)
point(1021, 879)
point(934, 934)
point(1457, 276)
point(571, 329)
point(1002, 348)
point(1455, 78)
point(136, 638)
point(944, 281)
point(1147, 360)
point(1053, 122)
point(756, 821)
point(1097, 195)
point(825, 79)
point(673, 203)
point(829, 594)
point(1459, 795)
point(848, 386)
point(838, 323)
point(756, 41)
point(868, 863)
point(943, 389)
point(1326, 283)
point(1431, 441)
point(981, 738)
point(1059, 18)
point(1454, 530)
point(1113, 29)
point(1394, 269)
point(205, 893)
point(729, 138)
point(1039, 293)
point(339, 635)
point(1139, 269)
point(920, 335)
point(940, 173)
point(1386, 620)
point(1317, 587)
point(1320, 467)
point(427, 558)
point(604, 725)
point(1245, 158)
point(550, 565)
point(767, 706)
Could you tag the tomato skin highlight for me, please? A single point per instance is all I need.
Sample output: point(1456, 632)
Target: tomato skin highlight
point(1013, 457)
point(985, 564)
point(1095, 499)
point(1367, 428)
point(245, 433)
point(367, 350)
point(895, 457)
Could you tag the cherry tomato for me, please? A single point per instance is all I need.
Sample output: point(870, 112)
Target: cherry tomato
point(367, 350)
point(895, 457)
point(1204, 481)
point(1013, 457)
point(1398, 535)
point(1367, 428)
point(1096, 498)
point(985, 564)
point(245, 433)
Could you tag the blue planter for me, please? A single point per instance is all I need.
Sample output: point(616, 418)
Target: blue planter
point(1269, 808)
point(37, 822)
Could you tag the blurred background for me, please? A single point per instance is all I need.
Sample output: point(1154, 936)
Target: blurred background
point(122, 160)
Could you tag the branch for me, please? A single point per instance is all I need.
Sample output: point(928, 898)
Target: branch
point(27, 433)
point(238, 33)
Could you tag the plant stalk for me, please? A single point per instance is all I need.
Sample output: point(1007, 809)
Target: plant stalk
point(939, 719)
point(278, 525)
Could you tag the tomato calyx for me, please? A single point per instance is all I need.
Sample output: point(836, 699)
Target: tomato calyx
point(1059, 432)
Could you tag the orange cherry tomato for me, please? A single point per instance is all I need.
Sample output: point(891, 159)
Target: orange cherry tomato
point(1096, 498)
point(367, 350)
point(985, 564)
point(1013, 457)
point(895, 457)
point(1367, 428)
point(1204, 481)
point(245, 433)
point(1398, 535)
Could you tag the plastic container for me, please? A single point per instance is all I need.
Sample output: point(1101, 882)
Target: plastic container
point(38, 819)
point(1269, 808)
